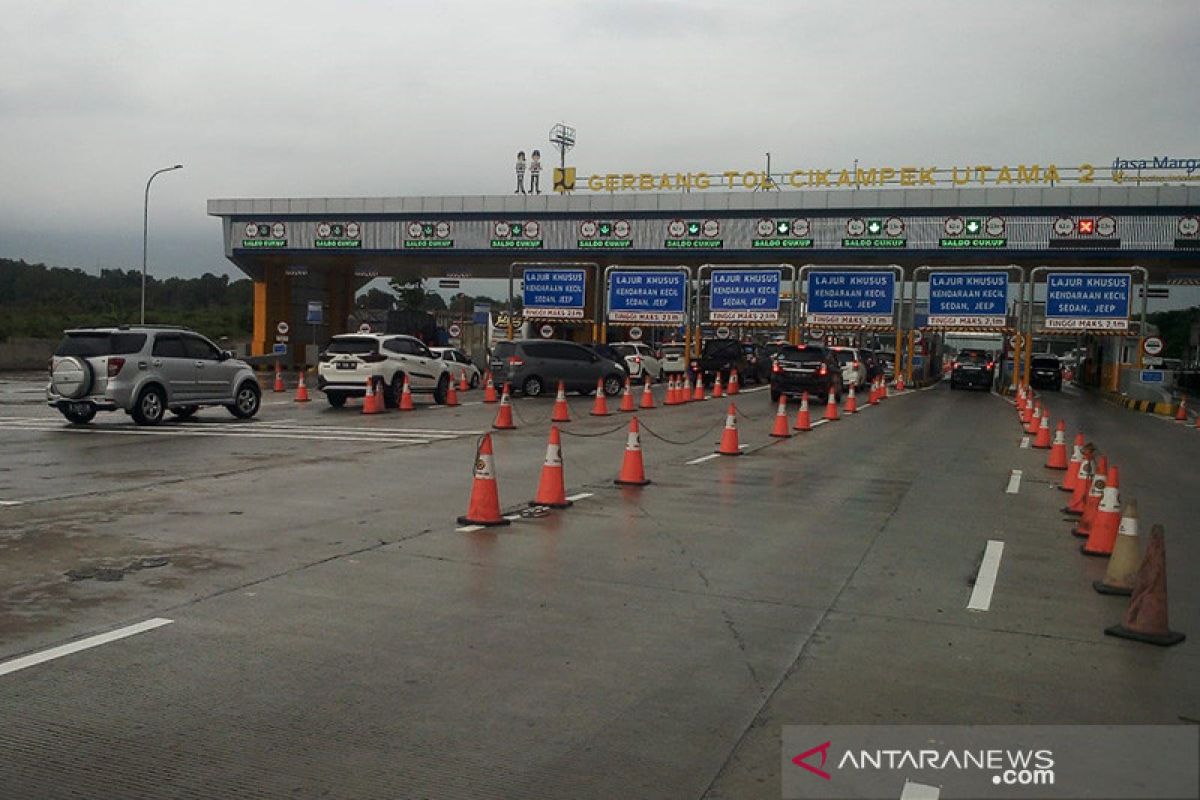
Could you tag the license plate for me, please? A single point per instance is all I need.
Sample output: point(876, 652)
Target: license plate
point(347, 365)
point(970, 369)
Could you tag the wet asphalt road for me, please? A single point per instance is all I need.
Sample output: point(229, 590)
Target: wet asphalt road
point(334, 635)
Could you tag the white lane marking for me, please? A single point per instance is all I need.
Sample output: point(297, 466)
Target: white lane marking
point(702, 459)
point(919, 791)
point(985, 581)
point(580, 496)
point(820, 422)
point(11, 502)
point(1014, 482)
point(83, 644)
point(1024, 442)
point(750, 391)
point(355, 429)
point(230, 434)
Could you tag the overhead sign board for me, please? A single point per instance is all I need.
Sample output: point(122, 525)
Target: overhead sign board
point(968, 299)
point(851, 297)
point(554, 293)
point(744, 295)
point(647, 297)
point(1088, 300)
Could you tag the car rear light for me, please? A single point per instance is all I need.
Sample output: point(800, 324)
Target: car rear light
point(637, 359)
point(856, 365)
point(114, 366)
point(775, 367)
point(513, 361)
point(695, 365)
point(991, 364)
point(824, 370)
point(374, 358)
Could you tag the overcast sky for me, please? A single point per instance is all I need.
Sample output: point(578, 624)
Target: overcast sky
point(273, 99)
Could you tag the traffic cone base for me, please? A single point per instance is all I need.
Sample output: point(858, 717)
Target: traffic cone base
point(1146, 618)
point(484, 506)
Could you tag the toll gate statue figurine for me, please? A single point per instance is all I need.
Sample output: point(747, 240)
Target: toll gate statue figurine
point(520, 173)
point(535, 172)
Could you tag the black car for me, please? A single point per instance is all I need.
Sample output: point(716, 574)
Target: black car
point(720, 357)
point(972, 368)
point(873, 364)
point(758, 363)
point(803, 368)
point(1046, 373)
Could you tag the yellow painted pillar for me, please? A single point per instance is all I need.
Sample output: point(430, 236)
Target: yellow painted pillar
point(896, 351)
point(272, 305)
point(1018, 342)
point(908, 367)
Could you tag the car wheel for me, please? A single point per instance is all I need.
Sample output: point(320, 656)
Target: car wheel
point(532, 387)
point(78, 413)
point(613, 385)
point(150, 406)
point(475, 380)
point(442, 389)
point(247, 400)
point(336, 399)
point(184, 412)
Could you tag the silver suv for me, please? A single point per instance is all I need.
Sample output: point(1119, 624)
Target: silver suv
point(145, 372)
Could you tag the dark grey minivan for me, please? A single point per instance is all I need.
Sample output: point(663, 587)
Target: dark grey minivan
point(535, 366)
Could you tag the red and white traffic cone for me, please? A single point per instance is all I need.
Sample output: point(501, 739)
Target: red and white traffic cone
point(899, 383)
point(463, 385)
point(302, 390)
point(504, 414)
point(484, 506)
point(873, 399)
point(1083, 528)
point(1035, 420)
point(1043, 441)
point(451, 394)
point(851, 402)
point(1083, 483)
point(647, 396)
point(1058, 449)
point(633, 468)
point(670, 398)
point(716, 392)
point(803, 419)
point(698, 393)
point(406, 401)
point(369, 405)
point(831, 408)
point(600, 404)
point(686, 395)
point(729, 437)
point(1181, 410)
point(561, 412)
point(1103, 533)
point(1071, 476)
point(734, 386)
point(489, 390)
point(1121, 572)
point(780, 431)
point(552, 490)
point(627, 398)
point(279, 387)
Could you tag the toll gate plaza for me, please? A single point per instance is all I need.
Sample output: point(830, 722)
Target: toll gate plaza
point(674, 592)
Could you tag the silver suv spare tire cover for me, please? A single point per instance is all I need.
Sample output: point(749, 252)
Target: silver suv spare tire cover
point(72, 377)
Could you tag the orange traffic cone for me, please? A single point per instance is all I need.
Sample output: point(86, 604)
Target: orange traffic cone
point(600, 404)
point(369, 405)
point(851, 402)
point(899, 383)
point(1072, 472)
point(406, 401)
point(302, 390)
point(451, 394)
point(1122, 568)
point(1103, 532)
point(1146, 618)
point(716, 392)
point(803, 420)
point(698, 394)
point(1035, 419)
point(733, 387)
point(504, 415)
point(1090, 503)
point(729, 436)
point(489, 390)
point(670, 399)
point(647, 396)
point(883, 388)
point(1181, 410)
point(552, 490)
point(279, 387)
point(633, 469)
point(1027, 414)
point(873, 399)
point(627, 398)
point(561, 412)
point(1058, 449)
point(1083, 482)
point(831, 408)
point(1042, 441)
point(484, 507)
point(780, 431)
point(686, 395)
point(463, 386)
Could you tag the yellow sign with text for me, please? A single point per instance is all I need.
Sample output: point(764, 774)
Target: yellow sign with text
point(856, 178)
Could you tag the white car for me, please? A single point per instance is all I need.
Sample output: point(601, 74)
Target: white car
point(640, 359)
point(353, 358)
point(854, 371)
point(674, 359)
point(459, 364)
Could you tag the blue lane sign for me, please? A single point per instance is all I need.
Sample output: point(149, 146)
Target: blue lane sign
point(968, 299)
point(315, 312)
point(744, 295)
point(554, 293)
point(857, 297)
point(279, 349)
point(1087, 300)
point(1152, 376)
point(650, 297)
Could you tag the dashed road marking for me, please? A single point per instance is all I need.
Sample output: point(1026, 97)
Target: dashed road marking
point(985, 581)
point(11, 502)
point(581, 496)
point(255, 431)
point(711, 456)
point(1024, 442)
point(1014, 482)
point(34, 659)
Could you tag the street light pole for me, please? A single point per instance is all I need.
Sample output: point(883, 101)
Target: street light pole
point(146, 229)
